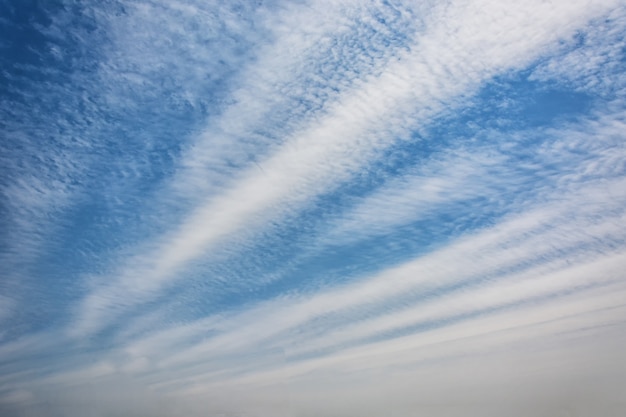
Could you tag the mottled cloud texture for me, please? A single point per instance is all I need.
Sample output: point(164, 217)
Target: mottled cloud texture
point(326, 208)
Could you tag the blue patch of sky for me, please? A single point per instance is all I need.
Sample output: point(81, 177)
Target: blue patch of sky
point(56, 106)
point(35, 92)
point(22, 43)
point(522, 103)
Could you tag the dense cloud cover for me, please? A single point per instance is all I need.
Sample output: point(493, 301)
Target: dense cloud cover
point(279, 208)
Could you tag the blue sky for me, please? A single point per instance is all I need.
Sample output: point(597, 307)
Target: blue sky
point(323, 208)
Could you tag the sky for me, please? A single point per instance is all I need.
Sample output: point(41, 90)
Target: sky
point(312, 208)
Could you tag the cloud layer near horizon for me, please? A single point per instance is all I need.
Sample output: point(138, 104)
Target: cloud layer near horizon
point(313, 208)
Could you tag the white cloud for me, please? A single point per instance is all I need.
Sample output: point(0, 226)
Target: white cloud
point(590, 62)
point(526, 310)
point(493, 255)
point(556, 232)
point(465, 44)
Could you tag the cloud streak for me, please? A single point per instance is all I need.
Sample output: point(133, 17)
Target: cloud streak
point(314, 208)
point(362, 122)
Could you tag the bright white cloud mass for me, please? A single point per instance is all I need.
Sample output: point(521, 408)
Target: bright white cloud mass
point(313, 208)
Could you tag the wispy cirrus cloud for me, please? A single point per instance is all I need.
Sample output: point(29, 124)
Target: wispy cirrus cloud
point(362, 122)
point(270, 208)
